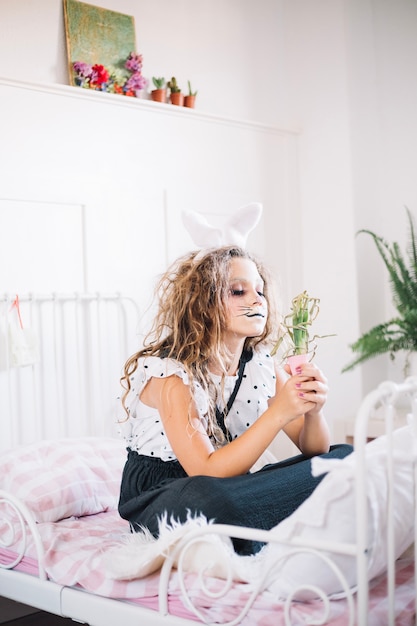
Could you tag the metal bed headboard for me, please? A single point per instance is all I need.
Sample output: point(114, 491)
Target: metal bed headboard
point(71, 385)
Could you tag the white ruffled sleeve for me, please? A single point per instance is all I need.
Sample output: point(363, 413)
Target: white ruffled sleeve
point(155, 367)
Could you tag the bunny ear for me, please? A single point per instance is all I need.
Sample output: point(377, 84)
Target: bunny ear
point(242, 223)
point(234, 232)
point(202, 233)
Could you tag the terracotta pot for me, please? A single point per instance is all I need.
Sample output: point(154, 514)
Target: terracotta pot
point(189, 101)
point(295, 360)
point(177, 98)
point(159, 95)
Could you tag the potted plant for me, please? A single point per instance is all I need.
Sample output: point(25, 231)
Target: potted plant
point(159, 94)
point(175, 94)
point(399, 333)
point(189, 100)
point(295, 342)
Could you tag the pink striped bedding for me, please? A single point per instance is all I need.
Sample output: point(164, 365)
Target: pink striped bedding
point(74, 550)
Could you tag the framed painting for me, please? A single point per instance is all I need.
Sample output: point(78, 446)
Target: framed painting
point(98, 38)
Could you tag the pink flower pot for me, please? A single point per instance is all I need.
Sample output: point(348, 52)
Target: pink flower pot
point(295, 360)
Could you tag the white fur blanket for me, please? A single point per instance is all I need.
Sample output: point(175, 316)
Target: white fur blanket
point(141, 554)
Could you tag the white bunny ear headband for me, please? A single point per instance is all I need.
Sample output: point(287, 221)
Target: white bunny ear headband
point(234, 232)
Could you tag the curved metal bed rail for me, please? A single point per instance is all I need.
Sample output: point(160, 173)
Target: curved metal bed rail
point(16, 516)
point(387, 397)
point(178, 556)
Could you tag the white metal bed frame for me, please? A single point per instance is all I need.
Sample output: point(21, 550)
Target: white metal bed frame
point(83, 341)
point(98, 611)
point(388, 394)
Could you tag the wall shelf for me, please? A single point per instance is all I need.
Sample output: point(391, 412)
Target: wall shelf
point(103, 98)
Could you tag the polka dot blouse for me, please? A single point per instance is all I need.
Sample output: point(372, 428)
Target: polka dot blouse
point(144, 431)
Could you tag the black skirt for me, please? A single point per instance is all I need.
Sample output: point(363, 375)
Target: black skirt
point(152, 488)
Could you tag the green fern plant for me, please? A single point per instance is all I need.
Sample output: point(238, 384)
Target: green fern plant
point(399, 333)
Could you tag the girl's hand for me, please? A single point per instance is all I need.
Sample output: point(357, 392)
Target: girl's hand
point(292, 401)
point(312, 386)
point(305, 394)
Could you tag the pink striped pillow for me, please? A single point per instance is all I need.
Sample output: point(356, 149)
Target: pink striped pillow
point(65, 477)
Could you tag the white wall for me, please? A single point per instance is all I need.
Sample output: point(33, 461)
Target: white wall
point(106, 178)
point(382, 53)
point(231, 51)
point(316, 77)
point(351, 89)
point(341, 72)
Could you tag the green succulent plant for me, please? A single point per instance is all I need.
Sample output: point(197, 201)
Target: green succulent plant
point(399, 333)
point(158, 82)
point(190, 91)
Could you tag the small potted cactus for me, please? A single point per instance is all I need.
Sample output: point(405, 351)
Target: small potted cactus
point(159, 94)
point(295, 343)
point(175, 94)
point(189, 99)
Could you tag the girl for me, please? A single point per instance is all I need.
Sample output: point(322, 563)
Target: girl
point(204, 400)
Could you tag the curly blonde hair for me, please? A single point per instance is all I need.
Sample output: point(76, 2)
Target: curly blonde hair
point(192, 318)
